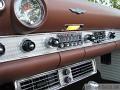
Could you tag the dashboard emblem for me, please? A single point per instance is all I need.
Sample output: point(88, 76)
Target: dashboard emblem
point(77, 10)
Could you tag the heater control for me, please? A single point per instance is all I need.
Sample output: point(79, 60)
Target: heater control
point(67, 79)
point(66, 72)
point(96, 36)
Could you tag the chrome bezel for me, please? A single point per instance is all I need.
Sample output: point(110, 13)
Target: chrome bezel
point(3, 5)
point(39, 22)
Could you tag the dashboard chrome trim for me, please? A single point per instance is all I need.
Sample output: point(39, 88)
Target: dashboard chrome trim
point(13, 44)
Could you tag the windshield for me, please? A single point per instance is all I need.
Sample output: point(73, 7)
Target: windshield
point(109, 3)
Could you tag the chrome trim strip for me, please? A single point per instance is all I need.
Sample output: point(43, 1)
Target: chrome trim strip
point(14, 52)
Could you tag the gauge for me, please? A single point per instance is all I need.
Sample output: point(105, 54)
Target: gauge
point(29, 12)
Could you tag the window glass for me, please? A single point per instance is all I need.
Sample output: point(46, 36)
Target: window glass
point(109, 3)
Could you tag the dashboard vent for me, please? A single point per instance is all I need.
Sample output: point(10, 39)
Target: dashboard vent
point(82, 69)
point(44, 82)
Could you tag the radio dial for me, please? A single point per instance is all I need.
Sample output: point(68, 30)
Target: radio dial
point(28, 45)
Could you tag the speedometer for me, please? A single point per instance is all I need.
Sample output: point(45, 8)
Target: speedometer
point(29, 12)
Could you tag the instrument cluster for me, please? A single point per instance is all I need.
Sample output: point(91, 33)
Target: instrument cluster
point(30, 13)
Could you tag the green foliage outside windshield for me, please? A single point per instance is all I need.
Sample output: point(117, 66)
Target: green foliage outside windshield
point(111, 3)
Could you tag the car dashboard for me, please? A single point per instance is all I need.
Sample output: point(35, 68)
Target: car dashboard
point(49, 45)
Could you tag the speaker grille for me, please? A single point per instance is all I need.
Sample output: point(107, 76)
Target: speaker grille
point(44, 82)
point(82, 69)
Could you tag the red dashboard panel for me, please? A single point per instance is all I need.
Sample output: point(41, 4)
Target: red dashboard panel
point(95, 17)
point(71, 56)
point(58, 14)
point(118, 45)
point(98, 50)
point(5, 20)
point(14, 70)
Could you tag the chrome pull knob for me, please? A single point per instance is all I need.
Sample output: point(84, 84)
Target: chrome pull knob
point(2, 49)
point(28, 45)
point(54, 42)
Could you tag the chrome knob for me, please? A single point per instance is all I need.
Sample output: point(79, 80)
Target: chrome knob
point(2, 49)
point(28, 45)
point(54, 42)
point(66, 72)
point(67, 79)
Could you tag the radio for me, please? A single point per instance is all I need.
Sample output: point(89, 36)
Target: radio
point(64, 40)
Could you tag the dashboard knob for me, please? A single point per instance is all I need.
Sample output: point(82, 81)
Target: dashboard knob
point(28, 45)
point(67, 79)
point(90, 37)
point(111, 35)
point(54, 42)
point(2, 49)
point(61, 45)
point(66, 72)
